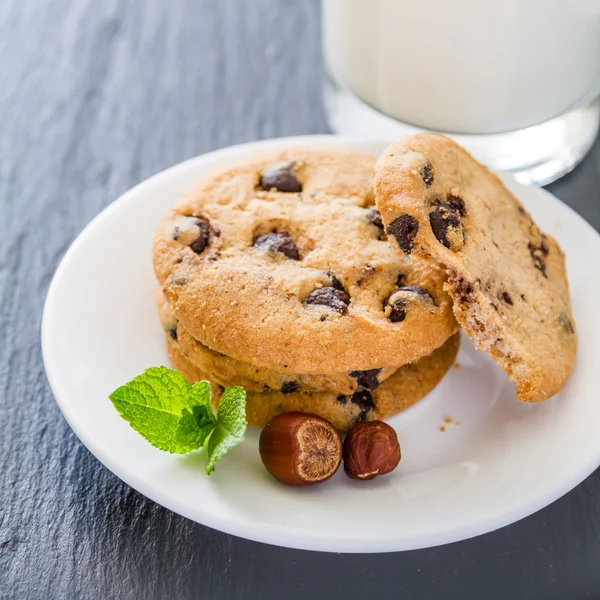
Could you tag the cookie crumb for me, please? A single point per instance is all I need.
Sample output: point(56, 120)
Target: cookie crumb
point(456, 366)
point(442, 428)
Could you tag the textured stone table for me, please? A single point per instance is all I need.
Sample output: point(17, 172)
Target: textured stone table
point(95, 97)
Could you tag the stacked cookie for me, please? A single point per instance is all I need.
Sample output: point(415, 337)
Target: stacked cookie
point(277, 275)
point(325, 283)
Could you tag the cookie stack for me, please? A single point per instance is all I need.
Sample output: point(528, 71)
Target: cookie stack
point(323, 282)
point(277, 275)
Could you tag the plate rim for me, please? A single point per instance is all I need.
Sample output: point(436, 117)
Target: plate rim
point(244, 527)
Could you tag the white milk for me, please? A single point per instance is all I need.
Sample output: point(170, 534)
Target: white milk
point(466, 66)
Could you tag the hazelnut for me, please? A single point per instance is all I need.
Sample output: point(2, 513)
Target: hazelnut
point(300, 448)
point(371, 448)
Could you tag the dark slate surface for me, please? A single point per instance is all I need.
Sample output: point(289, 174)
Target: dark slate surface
point(95, 97)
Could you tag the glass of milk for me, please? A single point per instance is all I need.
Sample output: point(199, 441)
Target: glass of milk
point(515, 81)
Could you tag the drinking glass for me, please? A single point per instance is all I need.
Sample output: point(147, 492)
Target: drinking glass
point(514, 81)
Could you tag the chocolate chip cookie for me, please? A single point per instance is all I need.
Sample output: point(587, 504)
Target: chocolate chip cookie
point(229, 371)
point(405, 387)
point(507, 278)
point(282, 262)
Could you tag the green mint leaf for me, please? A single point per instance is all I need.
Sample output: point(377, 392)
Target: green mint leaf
point(231, 425)
point(199, 401)
point(199, 397)
point(159, 406)
point(176, 417)
point(231, 413)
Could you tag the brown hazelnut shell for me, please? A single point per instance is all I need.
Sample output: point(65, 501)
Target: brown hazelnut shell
point(371, 448)
point(300, 448)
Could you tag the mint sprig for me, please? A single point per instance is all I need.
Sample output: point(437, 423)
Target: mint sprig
point(177, 417)
point(230, 429)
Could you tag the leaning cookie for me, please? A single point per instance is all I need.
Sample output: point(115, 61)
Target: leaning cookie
point(405, 387)
point(229, 371)
point(282, 262)
point(507, 278)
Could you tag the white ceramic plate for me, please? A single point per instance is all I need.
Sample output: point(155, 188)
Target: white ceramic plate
point(504, 460)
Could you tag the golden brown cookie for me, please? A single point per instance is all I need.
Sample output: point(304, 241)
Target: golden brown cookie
point(507, 279)
point(229, 371)
point(282, 262)
point(403, 389)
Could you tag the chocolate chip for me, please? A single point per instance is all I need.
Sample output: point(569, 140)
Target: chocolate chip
point(278, 242)
point(506, 297)
point(329, 296)
point(427, 174)
point(564, 320)
point(536, 254)
point(374, 217)
point(192, 231)
point(457, 204)
point(494, 306)
point(396, 310)
point(280, 177)
point(539, 264)
point(173, 332)
point(464, 289)
point(368, 379)
point(364, 401)
point(404, 229)
point(439, 225)
point(200, 243)
point(395, 307)
point(447, 227)
point(336, 283)
point(414, 289)
point(289, 387)
point(323, 318)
